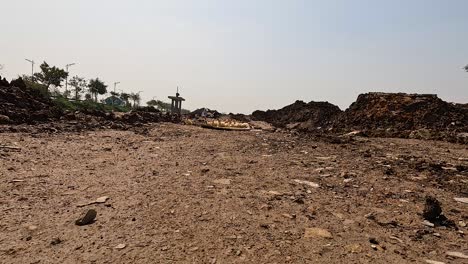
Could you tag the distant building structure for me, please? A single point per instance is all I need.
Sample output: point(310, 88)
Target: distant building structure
point(176, 103)
point(114, 100)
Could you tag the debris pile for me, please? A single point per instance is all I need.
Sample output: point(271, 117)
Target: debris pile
point(22, 105)
point(19, 104)
point(306, 116)
point(205, 112)
point(420, 116)
point(404, 112)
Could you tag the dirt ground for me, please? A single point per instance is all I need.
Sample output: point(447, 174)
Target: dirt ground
point(184, 194)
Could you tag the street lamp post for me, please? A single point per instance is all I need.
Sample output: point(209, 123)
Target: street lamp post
point(139, 97)
point(115, 85)
point(32, 67)
point(66, 79)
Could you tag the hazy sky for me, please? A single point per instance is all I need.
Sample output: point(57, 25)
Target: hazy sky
point(243, 55)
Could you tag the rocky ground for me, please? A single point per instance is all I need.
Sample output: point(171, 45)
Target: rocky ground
point(170, 193)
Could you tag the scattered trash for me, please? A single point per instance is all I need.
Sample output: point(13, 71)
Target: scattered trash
point(87, 219)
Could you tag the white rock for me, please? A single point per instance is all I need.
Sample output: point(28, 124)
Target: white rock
point(427, 223)
point(120, 246)
point(102, 199)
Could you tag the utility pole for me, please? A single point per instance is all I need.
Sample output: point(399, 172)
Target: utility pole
point(66, 79)
point(115, 85)
point(32, 67)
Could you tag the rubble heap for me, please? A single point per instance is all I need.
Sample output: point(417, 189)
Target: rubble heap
point(308, 116)
point(401, 112)
point(19, 104)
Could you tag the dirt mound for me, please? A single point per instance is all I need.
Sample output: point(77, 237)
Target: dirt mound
point(403, 112)
point(23, 105)
point(205, 112)
point(308, 115)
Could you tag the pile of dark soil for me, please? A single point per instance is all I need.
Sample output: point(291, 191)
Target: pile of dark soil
point(422, 116)
point(402, 112)
point(18, 104)
point(205, 112)
point(139, 116)
point(21, 105)
point(310, 115)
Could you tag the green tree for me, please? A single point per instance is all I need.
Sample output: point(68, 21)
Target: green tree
point(135, 97)
point(125, 97)
point(50, 75)
point(88, 97)
point(96, 87)
point(153, 103)
point(79, 84)
point(32, 84)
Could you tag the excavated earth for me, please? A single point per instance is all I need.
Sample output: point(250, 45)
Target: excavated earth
point(184, 194)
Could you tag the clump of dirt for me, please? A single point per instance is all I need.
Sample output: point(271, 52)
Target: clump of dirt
point(308, 116)
point(403, 112)
point(23, 105)
point(433, 213)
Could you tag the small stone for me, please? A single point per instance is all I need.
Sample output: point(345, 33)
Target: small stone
point(32, 227)
point(315, 232)
point(427, 223)
point(55, 241)
point(308, 183)
point(457, 254)
point(193, 249)
point(87, 219)
point(462, 223)
point(289, 216)
point(102, 199)
point(120, 246)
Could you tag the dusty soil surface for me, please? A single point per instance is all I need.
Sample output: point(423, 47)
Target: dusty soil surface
point(183, 194)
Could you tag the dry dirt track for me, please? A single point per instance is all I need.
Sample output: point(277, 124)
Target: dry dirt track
point(182, 194)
